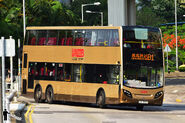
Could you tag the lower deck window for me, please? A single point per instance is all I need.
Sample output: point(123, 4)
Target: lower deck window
point(89, 73)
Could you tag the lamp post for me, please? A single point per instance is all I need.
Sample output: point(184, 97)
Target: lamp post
point(101, 13)
point(176, 34)
point(96, 4)
point(24, 20)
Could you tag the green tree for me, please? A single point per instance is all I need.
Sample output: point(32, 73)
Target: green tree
point(162, 9)
point(144, 3)
point(48, 12)
point(10, 18)
point(166, 9)
point(146, 17)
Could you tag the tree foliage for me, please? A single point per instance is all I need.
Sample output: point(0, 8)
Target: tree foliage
point(162, 11)
point(170, 39)
point(48, 12)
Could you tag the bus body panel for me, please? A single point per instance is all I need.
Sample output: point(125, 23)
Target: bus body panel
point(78, 92)
point(63, 54)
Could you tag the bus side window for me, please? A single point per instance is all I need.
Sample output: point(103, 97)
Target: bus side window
point(78, 73)
point(37, 71)
point(87, 37)
point(69, 41)
point(62, 41)
point(79, 42)
point(60, 72)
point(52, 41)
point(31, 70)
point(50, 71)
point(42, 41)
point(30, 37)
point(33, 41)
point(67, 72)
point(113, 75)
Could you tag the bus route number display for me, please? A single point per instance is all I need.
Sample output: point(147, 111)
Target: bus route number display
point(77, 54)
point(145, 57)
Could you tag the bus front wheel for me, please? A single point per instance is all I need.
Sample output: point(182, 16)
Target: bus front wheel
point(38, 94)
point(49, 95)
point(101, 99)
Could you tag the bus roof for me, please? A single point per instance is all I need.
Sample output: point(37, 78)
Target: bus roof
point(70, 27)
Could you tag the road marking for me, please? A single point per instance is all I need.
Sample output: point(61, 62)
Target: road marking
point(178, 100)
point(30, 115)
point(26, 114)
point(175, 91)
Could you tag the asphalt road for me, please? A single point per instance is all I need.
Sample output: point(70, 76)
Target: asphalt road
point(170, 112)
point(84, 113)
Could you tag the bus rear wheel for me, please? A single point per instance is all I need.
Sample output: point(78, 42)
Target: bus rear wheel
point(49, 95)
point(38, 94)
point(101, 99)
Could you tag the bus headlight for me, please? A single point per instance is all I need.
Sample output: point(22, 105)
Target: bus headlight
point(158, 94)
point(127, 93)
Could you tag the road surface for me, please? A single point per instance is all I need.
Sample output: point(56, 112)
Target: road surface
point(83, 113)
point(65, 112)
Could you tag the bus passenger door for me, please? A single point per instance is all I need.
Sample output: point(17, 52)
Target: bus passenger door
point(31, 75)
point(24, 73)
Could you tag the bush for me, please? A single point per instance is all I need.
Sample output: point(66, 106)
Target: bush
point(182, 68)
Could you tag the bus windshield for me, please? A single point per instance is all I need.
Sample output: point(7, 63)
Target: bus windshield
point(142, 57)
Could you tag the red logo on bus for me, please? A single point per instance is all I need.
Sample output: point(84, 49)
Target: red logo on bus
point(144, 92)
point(77, 52)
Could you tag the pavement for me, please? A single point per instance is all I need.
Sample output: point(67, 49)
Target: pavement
point(175, 74)
point(175, 87)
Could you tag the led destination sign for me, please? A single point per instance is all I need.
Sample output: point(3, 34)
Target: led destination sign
point(140, 56)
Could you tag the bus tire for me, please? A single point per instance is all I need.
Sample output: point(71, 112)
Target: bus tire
point(140, 107)
point(38, 94)
point(101, 99)
point(49, 95)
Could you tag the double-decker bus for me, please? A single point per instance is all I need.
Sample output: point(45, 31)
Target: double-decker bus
point(94, 64)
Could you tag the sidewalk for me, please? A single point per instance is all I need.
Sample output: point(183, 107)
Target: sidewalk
point(175, 74)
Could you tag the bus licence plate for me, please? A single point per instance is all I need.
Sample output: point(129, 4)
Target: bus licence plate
point(143, 102)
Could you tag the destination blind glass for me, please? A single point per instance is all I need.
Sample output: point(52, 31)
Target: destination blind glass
point(142, 57)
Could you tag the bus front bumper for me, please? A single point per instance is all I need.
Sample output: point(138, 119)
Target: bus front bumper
point(135, 96)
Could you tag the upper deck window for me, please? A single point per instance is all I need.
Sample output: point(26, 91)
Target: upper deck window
point(31, 37)
point(82, 37)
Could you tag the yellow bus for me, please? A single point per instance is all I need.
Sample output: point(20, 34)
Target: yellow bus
point(94, 64)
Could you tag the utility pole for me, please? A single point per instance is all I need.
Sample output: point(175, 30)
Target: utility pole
point(176, 35)
point(3, 75)
point(1, 101)
point(24, 18)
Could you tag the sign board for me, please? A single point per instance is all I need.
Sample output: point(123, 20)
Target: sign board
point(9, 47)
point(167, 49)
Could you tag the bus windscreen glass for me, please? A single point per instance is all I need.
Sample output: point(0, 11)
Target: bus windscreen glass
point(142, 57)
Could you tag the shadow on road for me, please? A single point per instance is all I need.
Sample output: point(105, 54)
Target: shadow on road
point(175, 81)
point(167, 107)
